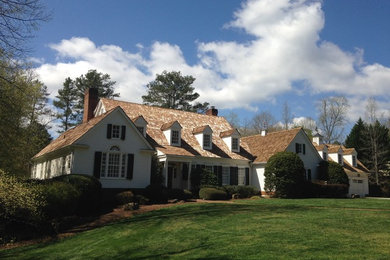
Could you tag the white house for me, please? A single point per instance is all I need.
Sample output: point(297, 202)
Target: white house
point(264, 145)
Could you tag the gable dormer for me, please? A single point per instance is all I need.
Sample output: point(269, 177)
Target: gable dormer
point(172, 132)
point(350, 155)
point(204, 135)
point(232, 139)
point(336, 153)
point(141, 124)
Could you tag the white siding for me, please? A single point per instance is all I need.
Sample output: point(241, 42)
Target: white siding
point(258, 178)
point(358, 185)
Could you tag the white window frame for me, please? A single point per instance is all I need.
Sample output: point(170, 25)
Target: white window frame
point(207, 145)
point(241, 176)
point(121, 166)
point(225, 175)
point(340, 159)
point(237, 143)
point(354, 162)
point(116, 131)
point(173, 137)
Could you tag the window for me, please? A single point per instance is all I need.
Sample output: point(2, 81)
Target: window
point(325, 156)
point(360, 181)
point(113, 164)
point(298, 148)
point(340, 158)
point(241, 176)
point(175, 137)
point(63, 165)
point(206, 141)
point(354, 160)
point(235, 144)
point(116, 131)
point(141, 129)
point(225, 175)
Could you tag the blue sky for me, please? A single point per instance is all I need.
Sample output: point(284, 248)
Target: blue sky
point(247, 56)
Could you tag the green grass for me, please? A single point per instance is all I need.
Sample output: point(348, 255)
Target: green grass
point(247, 229)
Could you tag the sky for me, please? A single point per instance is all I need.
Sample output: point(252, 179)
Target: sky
point(247, 56)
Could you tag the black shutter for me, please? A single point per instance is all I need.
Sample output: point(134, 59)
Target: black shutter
point(123, 132)
point(304, 148)
point(185, 171)
point(97, 164)
point(219, 175)
point(130, 166)
point(236, 176)
point(246, 176)
point(109, 130)
point(296, 147)
point(233, 175)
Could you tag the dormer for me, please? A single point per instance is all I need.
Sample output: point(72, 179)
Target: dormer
point(232, 139)
point(322, 150)
point(172, 132)
point(350, 155)
point(336, 153)
point(317, 138)
point(204, 135)
point(141, 124)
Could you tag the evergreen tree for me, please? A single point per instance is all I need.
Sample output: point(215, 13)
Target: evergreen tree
point(355, 138)
point(92, 79)
point(172, 90)
point(66, 101)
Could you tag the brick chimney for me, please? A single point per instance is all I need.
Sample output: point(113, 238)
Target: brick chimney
point(212, 111)
point(90, 103)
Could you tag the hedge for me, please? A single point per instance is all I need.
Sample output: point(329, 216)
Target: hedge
point(212, 194)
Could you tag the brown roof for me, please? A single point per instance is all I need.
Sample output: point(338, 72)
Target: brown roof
point(227, 133)
point(199, 129)
point(72, 135)
point(333, 148)
point(157, 117)
point(168, 125)
point(263, 147)
point(319, 147)
point(352, 171)
point(348, 150)
point(138, 117)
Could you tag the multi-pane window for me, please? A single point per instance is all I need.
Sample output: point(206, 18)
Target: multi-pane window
point(354, 160)
point(340, 159)
point(206, 141)
point(113, 164)
point(241, 176)
point(175, 137)
point(235, 144)
point(300, 148)
point(325, 156)
point(116, 131)
point(225, 176)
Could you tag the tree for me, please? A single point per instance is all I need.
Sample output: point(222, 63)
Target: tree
point(286, 115)
point(172, 90)
point(233, 119)
point(92, 79)
point(66, 101)
point(336, 174)
point(285, 175)
point(356, 137)
point(263, 121)
point(332, 117)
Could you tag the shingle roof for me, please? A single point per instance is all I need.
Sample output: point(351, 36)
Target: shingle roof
point(72, 135)
point(263, 147)
point(348, 150)
point(157, 117)
point(333, 148)
point(319, 147)
point(199, 129)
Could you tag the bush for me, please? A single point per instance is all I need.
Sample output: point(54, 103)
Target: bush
point(179, 194)
point(322, 190)
point(285, 175)
point(156, 193)
point(337, 174)
point(124, 197)
point(89, 188)
point(212, 194)
point(241, 191)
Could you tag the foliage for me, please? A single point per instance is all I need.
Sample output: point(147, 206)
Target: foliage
point(179, 194)
point(284, 175)
point(156, 172)
point(263, 121)
point(66, 101)
point(241, 191)
point(355, 138)
point(212, 194)
point(322, 171)
point(156, 193)
point(124, 197)
point(332, 117)
point(336, 174)
point(322, 190)
point(172, 90)
point(208, 177)
point(93, 79)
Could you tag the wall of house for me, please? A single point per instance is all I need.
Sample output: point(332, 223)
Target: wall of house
point(311, 158)
point(97, 140)
point(257, 176)
point(335, 157)
point(358, 185)
point(53, 166)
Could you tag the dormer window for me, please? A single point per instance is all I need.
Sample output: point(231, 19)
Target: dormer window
point(172, 132)
point(203, 135)
point(206, 141)
point(325, 156)
point(232, 139)
point(340, 159)
point(175, 137)
point(235, 143)
point(354, 161)
point(141, 124)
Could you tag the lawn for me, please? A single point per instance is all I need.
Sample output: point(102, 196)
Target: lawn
point(246, 229)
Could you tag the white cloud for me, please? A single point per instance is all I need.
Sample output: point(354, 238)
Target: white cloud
point(286, 48)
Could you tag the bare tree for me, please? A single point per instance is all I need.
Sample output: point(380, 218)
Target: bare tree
point(263, 121)
point(286, 115)
point(332, 117)
point(233, 119)
point(371, 110)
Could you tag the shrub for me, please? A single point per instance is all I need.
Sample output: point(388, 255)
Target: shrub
point(208, 178)
point(322, 190)
point(212, 194)
point(285, 175)
point(156, 193)
point(323, 171)
point(242, 191)
point(89, 188)
point(142, 200)
point(337, 174)
point(179, 194)
point(124, 197)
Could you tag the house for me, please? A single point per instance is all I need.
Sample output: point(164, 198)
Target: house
point(347, 157)
point(117, 140)
point(263, 146)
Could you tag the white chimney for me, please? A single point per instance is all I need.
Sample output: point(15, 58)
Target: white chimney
point(263, 132)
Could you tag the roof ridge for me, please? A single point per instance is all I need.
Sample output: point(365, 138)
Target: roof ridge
point(272, 133)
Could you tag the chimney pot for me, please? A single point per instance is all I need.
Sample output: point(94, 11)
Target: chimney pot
point(212, 111)
point(90, 103)
point(263, 132)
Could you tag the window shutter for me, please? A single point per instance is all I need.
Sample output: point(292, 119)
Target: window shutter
point(246, 176)
point(296, 148)
point(130, 166)
point(97, 164)
point(109, 131)
point(233, 175)
point(123, 132)
point(219, 175)
point(185, 171)
point(304, 148)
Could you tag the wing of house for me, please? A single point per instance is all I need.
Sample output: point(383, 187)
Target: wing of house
point(263, 146)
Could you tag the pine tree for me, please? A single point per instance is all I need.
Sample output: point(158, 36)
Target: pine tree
point(355, 138)
point(172, 90)
point(67, 99)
